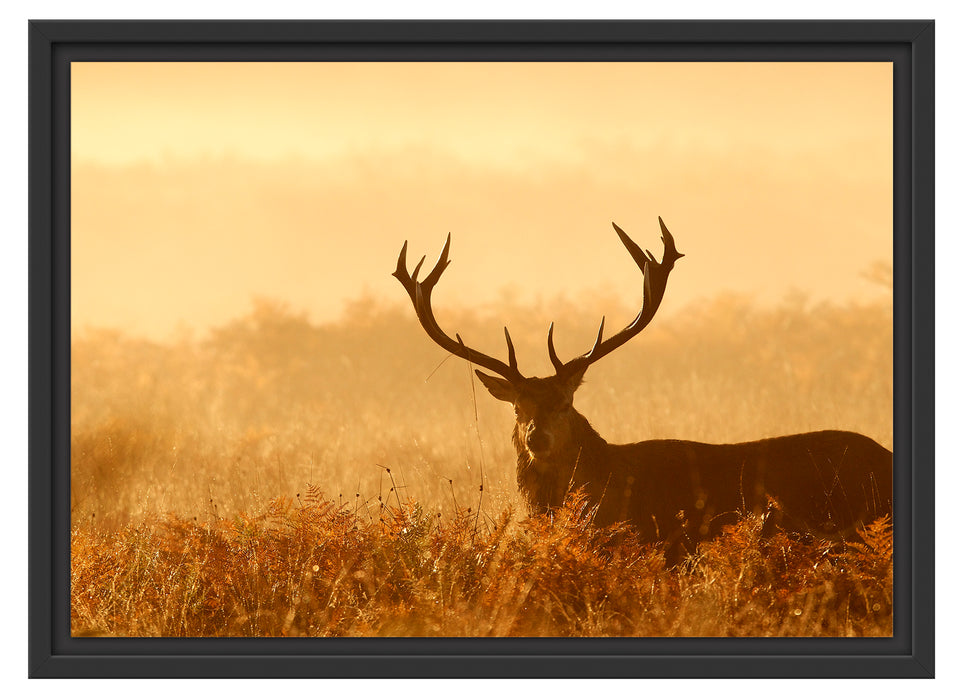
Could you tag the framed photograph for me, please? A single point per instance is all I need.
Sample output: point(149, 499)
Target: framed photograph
point(275, 432)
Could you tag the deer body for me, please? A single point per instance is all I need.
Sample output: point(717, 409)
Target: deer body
point(675, 491)
point(682, 492)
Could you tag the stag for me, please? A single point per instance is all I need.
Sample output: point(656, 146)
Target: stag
point(678, 492)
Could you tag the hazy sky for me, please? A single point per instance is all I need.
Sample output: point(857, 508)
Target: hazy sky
point(198, 187)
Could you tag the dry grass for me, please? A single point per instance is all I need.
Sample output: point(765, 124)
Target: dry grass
point(316, 569)
point(190, 459)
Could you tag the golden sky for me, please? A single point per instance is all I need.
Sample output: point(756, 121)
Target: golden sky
point(198, 187)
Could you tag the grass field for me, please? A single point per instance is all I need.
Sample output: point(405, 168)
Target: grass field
point(278, 477)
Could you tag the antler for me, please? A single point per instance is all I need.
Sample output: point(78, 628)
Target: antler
point(420, 296)
point(654, 286)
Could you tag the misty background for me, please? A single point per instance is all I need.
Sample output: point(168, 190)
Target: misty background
point(237, 333)
point(200, 187)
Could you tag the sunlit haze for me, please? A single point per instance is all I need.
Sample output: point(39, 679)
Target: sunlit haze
point(264, 441)
point(198, 188)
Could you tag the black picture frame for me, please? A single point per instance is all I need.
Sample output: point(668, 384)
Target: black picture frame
point(53, 45)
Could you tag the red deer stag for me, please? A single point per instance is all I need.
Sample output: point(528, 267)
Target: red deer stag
point(674, 491)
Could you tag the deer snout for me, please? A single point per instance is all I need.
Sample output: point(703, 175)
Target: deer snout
point(538, 440)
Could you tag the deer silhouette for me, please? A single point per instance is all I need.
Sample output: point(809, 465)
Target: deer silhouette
point(677, 492)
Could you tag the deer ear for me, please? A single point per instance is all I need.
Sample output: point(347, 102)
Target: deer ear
point(501, 389)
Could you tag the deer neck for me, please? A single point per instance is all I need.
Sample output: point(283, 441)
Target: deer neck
point(545, 481)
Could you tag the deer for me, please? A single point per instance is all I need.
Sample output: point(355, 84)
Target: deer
point(675, 492)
